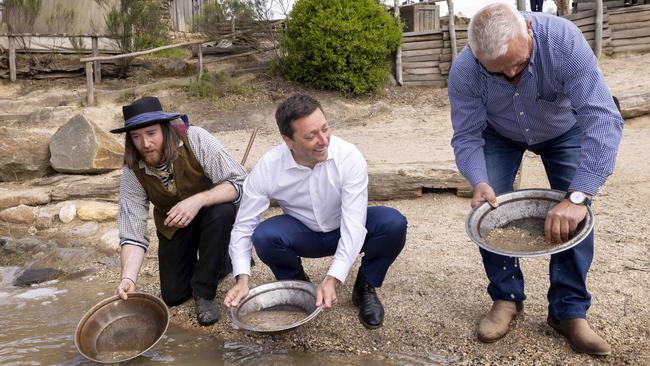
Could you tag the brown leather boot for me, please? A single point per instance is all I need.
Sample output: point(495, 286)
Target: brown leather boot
point(495, 324)
point(581, 337)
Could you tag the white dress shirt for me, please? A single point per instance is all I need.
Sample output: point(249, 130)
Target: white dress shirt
point(332, 195)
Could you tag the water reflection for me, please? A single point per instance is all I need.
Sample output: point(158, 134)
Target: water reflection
point(38, 323)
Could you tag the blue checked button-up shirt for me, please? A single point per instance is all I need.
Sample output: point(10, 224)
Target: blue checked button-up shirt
point(561, 86)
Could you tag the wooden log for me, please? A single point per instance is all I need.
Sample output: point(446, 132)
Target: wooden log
point(459, 44)
point(459, 35)
point(590, 21)
point(583, 6)
point(90, 91)
point(634, 105)
point(12, 59)
point(416, 65)
point(407, 180)
point(97, 64)
point(580, 15)
point(444, 67)
point(630, 41)
point(631, 25)
point(631, 33)
point(422, 71)
point(421, 45)
point(428, 77)
point(592, 27)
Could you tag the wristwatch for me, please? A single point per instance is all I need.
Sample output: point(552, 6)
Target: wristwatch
point(578, 198)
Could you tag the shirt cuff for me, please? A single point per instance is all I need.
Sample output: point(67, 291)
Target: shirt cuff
point(476, 176)
point(240, 266)
point(339, 269)
point(238, 189)
point(135, 243)
point(587, 182)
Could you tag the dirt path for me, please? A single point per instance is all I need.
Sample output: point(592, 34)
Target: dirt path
point(435, 291)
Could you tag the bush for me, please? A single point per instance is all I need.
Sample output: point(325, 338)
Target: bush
point(340, 44)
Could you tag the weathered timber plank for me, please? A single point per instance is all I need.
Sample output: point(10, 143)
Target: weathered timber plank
point(634, 48)
point(421, 45)
point(430, 37)
point(428, 77)
point(422, 71)
point(415, 65)
point(630, 25)
point(630, 41)
point(631, 33)
point(622, 18)
point(430, 51)
point(430, 58)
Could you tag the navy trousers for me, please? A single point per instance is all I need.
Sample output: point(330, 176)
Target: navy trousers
point(567, 296)
point(281, 240)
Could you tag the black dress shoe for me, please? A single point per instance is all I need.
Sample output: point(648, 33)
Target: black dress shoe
point(371, 311)
point(207, 311)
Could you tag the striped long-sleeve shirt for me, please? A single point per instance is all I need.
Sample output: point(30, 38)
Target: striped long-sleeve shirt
point(561, 86)
point(217, 165)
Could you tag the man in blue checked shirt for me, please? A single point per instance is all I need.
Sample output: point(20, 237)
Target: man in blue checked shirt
point(529, 81)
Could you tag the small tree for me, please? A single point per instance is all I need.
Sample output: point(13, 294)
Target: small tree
point(61, 20)
point(19, 16)
point(137, 25)
point(340, 44)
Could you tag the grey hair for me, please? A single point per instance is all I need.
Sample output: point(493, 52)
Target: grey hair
point(492, 27)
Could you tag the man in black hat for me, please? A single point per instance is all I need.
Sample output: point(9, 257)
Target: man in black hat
point(194, 185)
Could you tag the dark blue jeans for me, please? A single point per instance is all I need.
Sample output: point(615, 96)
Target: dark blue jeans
point(567, 296)
point(536, 5)
point(281, 240)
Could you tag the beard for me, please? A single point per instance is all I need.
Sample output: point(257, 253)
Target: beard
point(152, 159)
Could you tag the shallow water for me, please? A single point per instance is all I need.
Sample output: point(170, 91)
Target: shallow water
point(37, 328)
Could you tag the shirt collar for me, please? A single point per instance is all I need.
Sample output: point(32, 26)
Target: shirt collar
point(288, 162)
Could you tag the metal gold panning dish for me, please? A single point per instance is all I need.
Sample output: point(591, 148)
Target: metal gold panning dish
point(276, 306)
point(116, 330)
point(530, 205)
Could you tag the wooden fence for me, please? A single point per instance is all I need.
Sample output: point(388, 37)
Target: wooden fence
point(586, 21)
point(427, 56)
point(630, 29)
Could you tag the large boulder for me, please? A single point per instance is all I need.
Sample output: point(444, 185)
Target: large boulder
point(96, 211)
point(24, 154)
point(80, 146)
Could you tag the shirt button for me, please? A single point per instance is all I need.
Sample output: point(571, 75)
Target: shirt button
point(516, 94)
point(521, 113)
point(527, 130)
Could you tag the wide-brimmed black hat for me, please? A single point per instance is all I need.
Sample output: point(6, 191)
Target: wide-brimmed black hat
point(144, 112)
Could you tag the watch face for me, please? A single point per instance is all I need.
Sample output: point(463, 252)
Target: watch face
point(577, 197)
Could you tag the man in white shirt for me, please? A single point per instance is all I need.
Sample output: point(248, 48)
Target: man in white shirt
point(321, 183)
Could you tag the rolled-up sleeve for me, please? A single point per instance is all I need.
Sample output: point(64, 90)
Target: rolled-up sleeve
point(596, 115)
point(217, 163)
point(255, 200)
point(133, 211)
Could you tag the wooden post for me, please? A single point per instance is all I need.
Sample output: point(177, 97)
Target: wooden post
point(249, 146)
point(398, 56)
point(452, 30)
point(598, 36)
point(521, 5)
point(97, 64)
point(200, 60)
point(90, 92)
point(12, 59)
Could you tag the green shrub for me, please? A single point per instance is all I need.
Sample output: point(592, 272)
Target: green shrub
point(340, 44)
point(212, 85)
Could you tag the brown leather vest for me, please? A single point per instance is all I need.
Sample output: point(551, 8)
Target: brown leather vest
point(190, 179)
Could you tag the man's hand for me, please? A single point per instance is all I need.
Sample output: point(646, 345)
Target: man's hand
point(326, 292)
point(237, 292)
point(183, 212)
point(484, 192)
point(125, 286)
point(562, 221)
